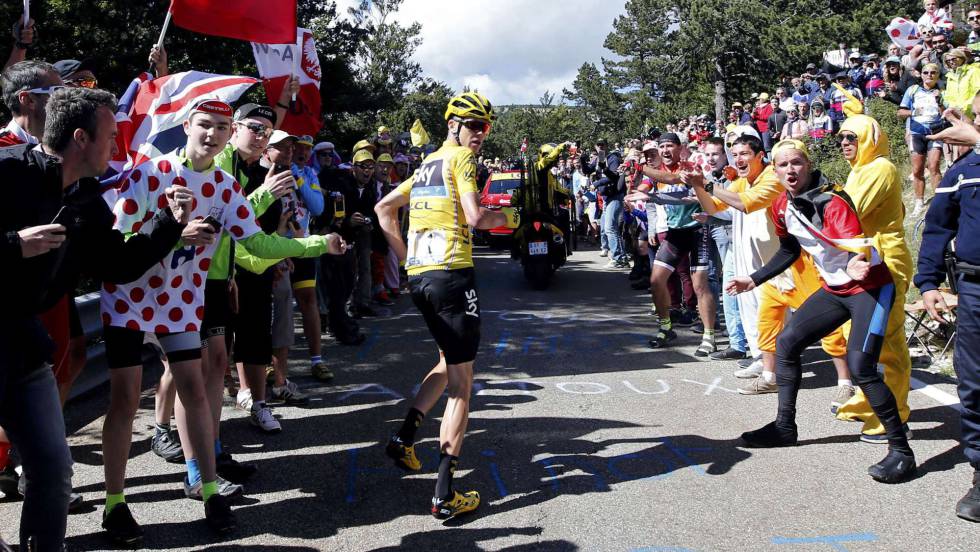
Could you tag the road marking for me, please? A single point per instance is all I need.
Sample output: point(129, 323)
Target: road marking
point(833, 540)
point(934, 392)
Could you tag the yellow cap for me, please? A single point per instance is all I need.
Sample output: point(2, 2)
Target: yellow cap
point(363, 145)
point(385, 158)
point(362, 155)
point(789, 144)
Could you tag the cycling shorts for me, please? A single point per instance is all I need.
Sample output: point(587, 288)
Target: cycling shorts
point(253, 323)
point(217, 309)
point(921, 145)
point(681, 242)
point(304, 273)
point(124, 347)
point(450, 307)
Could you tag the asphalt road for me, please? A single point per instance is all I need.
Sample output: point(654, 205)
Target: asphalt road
point(580, 438)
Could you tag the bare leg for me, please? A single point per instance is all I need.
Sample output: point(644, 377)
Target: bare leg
point(117, 428)
point(457, 413)
point(306, 299)
point(280, 360)
point(918, 182)
point(213, 363)
point(706, 299)
point(194, 420)
point(432, 387)
point(165, 395)
point(658, 288)
point(840, 366)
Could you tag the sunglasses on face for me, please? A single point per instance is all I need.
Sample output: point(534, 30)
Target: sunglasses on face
point(45, 89)
point(91, 82)
point(364, 166)
point(847, 138)
point(324, 153)
point(930, 72)
point(475, 125)
point(973, 18)
point(257, 129)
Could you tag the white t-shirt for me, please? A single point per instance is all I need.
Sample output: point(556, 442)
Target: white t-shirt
point(169, 297)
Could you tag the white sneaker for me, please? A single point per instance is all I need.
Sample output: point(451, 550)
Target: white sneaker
point(604, 253)
point(263, 419)
point(752, 371)
point(918, 208)
point(244, 400)
point(611, 264)
point(226, 489)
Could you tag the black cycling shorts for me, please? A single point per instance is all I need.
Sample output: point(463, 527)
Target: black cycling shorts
point(217, 309)
point(449, 304)
point(681, 242)
point(304, 273)
point(253, 323)
point(124, 347)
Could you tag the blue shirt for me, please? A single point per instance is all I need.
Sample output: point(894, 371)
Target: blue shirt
point(925, 108)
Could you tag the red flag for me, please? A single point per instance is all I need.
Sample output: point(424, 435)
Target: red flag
point(269, 21)
point(276, 63)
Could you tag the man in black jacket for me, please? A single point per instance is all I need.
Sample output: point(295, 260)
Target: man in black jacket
point(55, 226)
point(359, 228)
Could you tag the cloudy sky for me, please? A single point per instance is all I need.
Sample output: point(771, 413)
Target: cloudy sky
point(511, 50)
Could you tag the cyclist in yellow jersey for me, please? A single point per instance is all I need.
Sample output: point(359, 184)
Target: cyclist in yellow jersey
point(443, 202)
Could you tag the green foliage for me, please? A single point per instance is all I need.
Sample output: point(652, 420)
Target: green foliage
point(366, 59)
point(542, 123)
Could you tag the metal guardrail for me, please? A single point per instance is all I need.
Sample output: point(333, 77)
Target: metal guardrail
point(96, 371)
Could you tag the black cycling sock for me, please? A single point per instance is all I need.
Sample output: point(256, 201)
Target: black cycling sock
point(447, 467)
point(411, 424)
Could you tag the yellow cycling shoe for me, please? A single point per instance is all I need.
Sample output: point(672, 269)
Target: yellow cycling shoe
point(460, 503)
point(404, 456)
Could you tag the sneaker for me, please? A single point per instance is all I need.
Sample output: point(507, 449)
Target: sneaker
point(896, 467)
point(289, 394)
point(382, 299)
point(624, 263)
point(844, 394)
point(233, 470)
point(460, 503)
point(968, 507)
point(705, 348)
point(769, 436)
point(75, 502)
point(748, 361)
point(882, 438)
point(684, 319)
point(121, 528)
point(604, 253)
point(698, 327)
point(263, 419)
point(752, 371)
point(165, 446)
point(243, 400)
point(611, 264)
point(218, 515)
point(662, 338)
point(728, 354)
point(226, 489)
point(758, 386)
point(8, 481)
point(403, 455)
point(321, 371)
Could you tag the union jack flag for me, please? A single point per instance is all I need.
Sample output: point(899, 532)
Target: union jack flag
point(152, 111)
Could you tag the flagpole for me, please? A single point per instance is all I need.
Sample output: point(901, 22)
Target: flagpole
point(163, 33)
point(27, 11)
point(296, 61)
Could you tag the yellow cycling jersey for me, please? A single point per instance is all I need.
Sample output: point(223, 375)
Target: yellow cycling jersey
point(438, 236)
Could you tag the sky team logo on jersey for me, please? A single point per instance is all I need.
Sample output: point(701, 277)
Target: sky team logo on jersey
point(428, 180)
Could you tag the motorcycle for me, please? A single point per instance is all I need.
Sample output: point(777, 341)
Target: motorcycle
point(539, 243)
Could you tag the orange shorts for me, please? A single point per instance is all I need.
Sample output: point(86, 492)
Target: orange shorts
point(774, 304)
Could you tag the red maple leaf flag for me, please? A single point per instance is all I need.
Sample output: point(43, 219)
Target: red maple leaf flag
point(276, 63)
point(269, 21)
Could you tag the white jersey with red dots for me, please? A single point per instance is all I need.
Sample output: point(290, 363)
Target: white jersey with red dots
point(169, 298)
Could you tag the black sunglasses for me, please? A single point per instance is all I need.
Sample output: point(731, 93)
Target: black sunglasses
point(846, 137)
point(475, 125)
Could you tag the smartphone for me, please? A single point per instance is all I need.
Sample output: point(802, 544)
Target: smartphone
point(281, 168)
point(214, 223)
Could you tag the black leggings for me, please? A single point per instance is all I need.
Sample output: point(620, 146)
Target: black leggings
point(820, 314)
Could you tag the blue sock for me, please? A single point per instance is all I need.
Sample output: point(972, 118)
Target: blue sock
point(217, 448)
point(193, 472)
point(315, 358)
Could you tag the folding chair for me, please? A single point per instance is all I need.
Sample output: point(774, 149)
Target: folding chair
point(945, 332)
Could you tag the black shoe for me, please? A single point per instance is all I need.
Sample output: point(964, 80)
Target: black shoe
point(968, 507)
point(728, 354)
point(75, 502)
point(351, 339)
point(698, 327)
point(218, 515)
point(165, 446)
point(121, 528)
point(769, 436)
point(662, 338)
point(684, 318)
point(896, 467)
point(8, 482)
point(233, 470)
point(747, 361)
point(364, 311)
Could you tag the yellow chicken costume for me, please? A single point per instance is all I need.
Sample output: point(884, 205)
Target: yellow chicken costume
point(875, 187)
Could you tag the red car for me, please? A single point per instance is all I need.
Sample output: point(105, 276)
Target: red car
point(496, 195)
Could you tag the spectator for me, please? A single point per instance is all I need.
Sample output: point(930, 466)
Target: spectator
point(741, 117)
point(922, 106)
point(935, 17)
point(838, 97)
point(77, 73)
point(26, 88)
point(873, 78)
point(795, 127)
point(896, 81)
point(973, 39)
point(760, 116)
point(23, 39)
point(786, 102)
point(962, 81)
point(803, 110)
point(359, 229)
point(820, 123)
point(856, 70)
point(777, 120)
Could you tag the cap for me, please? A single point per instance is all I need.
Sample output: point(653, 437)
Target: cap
point(402, 158)
point(364, 145)
point(764, 96)
point(893, 59)
point(385, 158)
point(811, 66)
point(383, 130)
point(210, 105)
point(670, 137)
point(255, 110)
point(362, 155)
point(279, 136)
point(68, 67)
point(823, 76)
point(305, 139)
point(324, 146)
point(854, 55)
point(754, 95)
point(649, 145)
point(736, 104)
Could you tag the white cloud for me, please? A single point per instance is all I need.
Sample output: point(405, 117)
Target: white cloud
point(511, 50)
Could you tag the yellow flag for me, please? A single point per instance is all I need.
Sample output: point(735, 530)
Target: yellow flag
point(419, 136)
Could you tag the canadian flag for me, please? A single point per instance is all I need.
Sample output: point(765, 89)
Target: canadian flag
point(276, 63)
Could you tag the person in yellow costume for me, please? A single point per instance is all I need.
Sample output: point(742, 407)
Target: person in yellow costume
point(875, 187)
point(537, 200)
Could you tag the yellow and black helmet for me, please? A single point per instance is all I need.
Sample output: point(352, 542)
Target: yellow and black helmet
point(470, 105)
point(545, 149)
